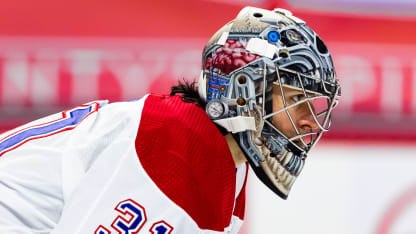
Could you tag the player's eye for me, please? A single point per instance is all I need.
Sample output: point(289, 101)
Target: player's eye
point(297, 98)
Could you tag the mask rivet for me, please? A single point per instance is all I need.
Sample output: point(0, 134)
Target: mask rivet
point(242, 80)
point(241, 101)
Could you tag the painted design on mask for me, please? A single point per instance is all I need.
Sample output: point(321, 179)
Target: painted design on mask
point(230, 57)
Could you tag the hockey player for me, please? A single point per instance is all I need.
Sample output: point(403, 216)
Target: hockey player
point(177, 164)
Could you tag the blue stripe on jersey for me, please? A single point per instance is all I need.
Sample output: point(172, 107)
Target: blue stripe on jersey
point(133, 100)
point(75, 117)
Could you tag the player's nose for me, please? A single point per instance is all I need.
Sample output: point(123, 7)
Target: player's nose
point(306, 120)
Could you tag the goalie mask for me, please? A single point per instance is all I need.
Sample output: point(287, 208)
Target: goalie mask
point(259, 69)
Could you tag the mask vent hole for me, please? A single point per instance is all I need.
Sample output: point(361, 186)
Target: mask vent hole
point(283, 53)
point(321, 46)
point(258, 15)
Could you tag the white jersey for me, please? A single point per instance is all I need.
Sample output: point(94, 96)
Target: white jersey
point(130, 167)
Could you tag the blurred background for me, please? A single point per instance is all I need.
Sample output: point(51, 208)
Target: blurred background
point(360, 179)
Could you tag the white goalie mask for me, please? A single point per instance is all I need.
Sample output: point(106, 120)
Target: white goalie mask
point(258, 71)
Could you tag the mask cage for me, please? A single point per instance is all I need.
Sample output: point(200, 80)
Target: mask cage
point(320, 105)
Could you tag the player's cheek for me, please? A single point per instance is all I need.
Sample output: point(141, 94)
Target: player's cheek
point(280, 121)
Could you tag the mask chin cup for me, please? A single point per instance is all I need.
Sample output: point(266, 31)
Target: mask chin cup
point(261, 174)
point(278, 170)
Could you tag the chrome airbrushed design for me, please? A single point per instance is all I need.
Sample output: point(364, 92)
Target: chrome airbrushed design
point(242, 63)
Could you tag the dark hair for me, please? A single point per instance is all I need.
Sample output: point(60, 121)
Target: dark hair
point(189, 92)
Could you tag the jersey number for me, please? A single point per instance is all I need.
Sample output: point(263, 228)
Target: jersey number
point(131, 219)
point(69, 120)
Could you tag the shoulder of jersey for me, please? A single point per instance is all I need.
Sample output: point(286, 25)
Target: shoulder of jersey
point(186, 156)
